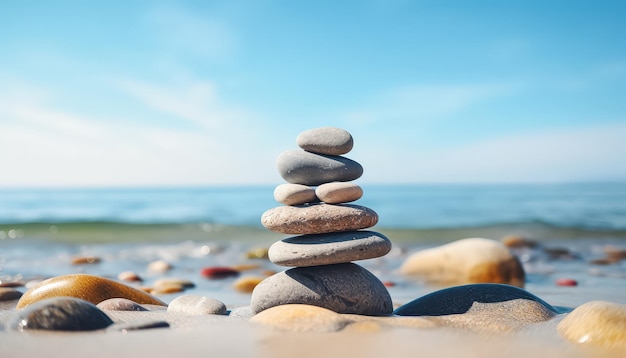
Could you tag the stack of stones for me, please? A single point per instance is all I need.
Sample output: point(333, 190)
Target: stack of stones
point(330, 236)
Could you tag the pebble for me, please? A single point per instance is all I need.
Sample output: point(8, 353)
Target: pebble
point(257, 253)
point(11, 284)
point(596, 323)
point(244, 312)
point(172, 281)
point(473, 260)
point(294, 194)
point(338, 192)
point(138, 325)
point(246, 267)
point(85, 260)
point(331, 248)
point(247, 284)
point(167, 289)
point(218, 273)
point(318, 218)
point(343, 288)
point(326, 140)
point(129, 276)
point(8, 294)
point(61, 314)
point(196, 305)
point(90, 288)
point(301, 318)
point(566, 282)
point(159, 266)
point(120, 304)
point(518, 242)
point(469, 298)
point(301, 167)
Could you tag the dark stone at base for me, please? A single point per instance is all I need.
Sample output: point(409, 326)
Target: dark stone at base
point(61, 314)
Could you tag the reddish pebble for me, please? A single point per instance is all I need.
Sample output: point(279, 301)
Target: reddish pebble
point(389, 283)
point(566, 282)
point(215, 273)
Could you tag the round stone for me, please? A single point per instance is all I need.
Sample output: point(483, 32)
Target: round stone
point(596, 323)
point(326, 140)
point(301, 318)
point(467, 298)
point(120, 304)
point(343, 288)
point(473, 260)
point(301, 167)
point(247, 284)
point(61, 314)
point(196, 305)
point(338, 192)
point(330, 248)
point(90, 288)
point(8, 294)
point(318, 218)
point(294, 194)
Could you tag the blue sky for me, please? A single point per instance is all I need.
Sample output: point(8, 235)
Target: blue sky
point(145, 93)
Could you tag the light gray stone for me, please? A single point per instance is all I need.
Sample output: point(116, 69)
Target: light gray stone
point(331, 248)
point(120, 304)
point(326, 140)
point(294, 194)
point(302, 167)
point(318, 218)
point(196, 305)
point(343, 288)
point(339, 192)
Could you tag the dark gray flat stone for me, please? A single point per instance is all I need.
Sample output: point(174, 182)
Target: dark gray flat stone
point(302, 167)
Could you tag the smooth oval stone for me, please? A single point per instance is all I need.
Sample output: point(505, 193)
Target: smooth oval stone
point(129, 276)
point(301, 167)
point(339, 192)
point(330, 248)
point(247, 284)
point(461, 299)
point(8, 294)
point(196, 305)
point(326, 140)
point(596, 323)
point(120, 304)
point(318, 218)
point(173, 281)
point(137, 325)
point(85, 260)
point(61, 314)
point(301, 318)
point(219, 272)
point(294, 194)
point(90, 288)
point(159, 266)
point(343, 288)
point(473, 260)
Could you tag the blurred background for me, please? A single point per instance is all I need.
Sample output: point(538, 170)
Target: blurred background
point(197, 93)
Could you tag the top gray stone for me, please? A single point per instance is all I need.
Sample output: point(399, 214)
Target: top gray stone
point(302, 167)
point(326, 140)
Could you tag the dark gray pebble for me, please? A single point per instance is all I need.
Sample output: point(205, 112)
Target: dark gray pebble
point(61, 314)
point(301, 167)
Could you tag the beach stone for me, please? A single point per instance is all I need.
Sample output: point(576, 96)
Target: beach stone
point(294, 194)
point(61, 314)
point(246, 267)
point(326, 140)
point(318, 218)
point(473, 260)
point(247, 284)
point(343, 288)
point(8, 294)
point(120, 304)
point(330, 248)
point(472, 298)
point(129, 276)
point(244, 312)
point(172, 281)
point(137, 325)
point(301, 167)
point(257, 253)
point(196, 305)
point(85, 260)
point(598, 324)
point(90, 288)
point(219, 272)
point(519, 242)
point(566, 282)
point(159, 266)
point(301, 318)
point(338, 192)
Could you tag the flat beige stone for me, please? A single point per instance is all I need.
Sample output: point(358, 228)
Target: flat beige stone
point(294, 194)
point(301, 318)
point(339, 192)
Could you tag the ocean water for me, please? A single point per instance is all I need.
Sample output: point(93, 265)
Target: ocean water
point(586, 206)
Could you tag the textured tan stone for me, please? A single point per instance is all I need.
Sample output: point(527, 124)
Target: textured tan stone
point(596, 323)
point(339, 192)
point(318, 218)
point(301, 318)
point(294, 194)
point(473, 260)
point(90, 288)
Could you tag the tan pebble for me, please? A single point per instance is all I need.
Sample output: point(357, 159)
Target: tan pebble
point(247, 284)
point(518, 242)
point(246, 267)
point(129, 276)
point(596, 323)
point(170, 281)
point(268, 273)
point(473, 260)
point(146, 289)
point(615, 253)
point(84, 260)
point(339, 192)
point(90, 288)
point(301, 318)
point(167, 289)
point(294, 194)
point(258, 253)
point(159, 266)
